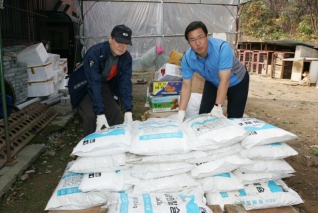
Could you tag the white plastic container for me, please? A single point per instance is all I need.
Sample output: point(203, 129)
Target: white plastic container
point(40, 72)
point(38, 89)
point(55, 59)
point(63, 64)
point(33, 55)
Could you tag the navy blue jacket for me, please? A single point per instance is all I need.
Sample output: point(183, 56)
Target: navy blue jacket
point(87, 78)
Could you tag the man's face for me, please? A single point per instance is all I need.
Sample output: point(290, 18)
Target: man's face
point(117, 48)
point(198, 41)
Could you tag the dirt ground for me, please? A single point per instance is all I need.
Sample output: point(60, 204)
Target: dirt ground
point(293, 108)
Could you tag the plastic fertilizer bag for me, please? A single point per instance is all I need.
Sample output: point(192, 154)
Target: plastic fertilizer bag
point(270, 194)
point(110, 141)
point(110, 181)
point(220, 183)
point(160, 170)
point(248, 178)
point(157, 203)
point(108, 163)
point(169, 158)
point(207, 132)
point(262, 133)
point(272, 166)
point(216, 154)
point(172, 183)
point(219, 166)
point(158, 136)
point(273, 151)
point(67, 196)
point(193, 106)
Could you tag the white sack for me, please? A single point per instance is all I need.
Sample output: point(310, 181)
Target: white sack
point(220, 183)
point(110, 141)
point(193, 106)
point(174, 183)
point(262, 133)
point(160, 170)
point(273, 166)
point(67, 196)
point(158, 136)
point(248, 178)
point(207, 132)
point(219, 166)
point(157, 203)
point(257, 196)
point(108, 163)
point(273, 151)
point(110, 181)
point(215, 154)
point(169, 158)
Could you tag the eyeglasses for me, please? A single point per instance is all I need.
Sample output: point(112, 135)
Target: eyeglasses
point(200, 39)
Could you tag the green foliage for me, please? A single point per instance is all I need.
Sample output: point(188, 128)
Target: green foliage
point(290, 20)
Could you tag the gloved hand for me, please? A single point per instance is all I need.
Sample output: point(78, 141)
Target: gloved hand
point(181, 115)
point(128, 118)
point(100, 122)
point(217, 111)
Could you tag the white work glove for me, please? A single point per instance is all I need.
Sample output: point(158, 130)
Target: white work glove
point(181, 115)
point(100, 122)
point(217, 111)
point(128, 118)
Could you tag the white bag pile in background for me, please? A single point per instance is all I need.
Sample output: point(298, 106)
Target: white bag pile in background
point(273, 151)
point(220, 183)
point(174, 183)
point(193, 106)
point(262, 133)
point(157, 203)
point(223, 165)
point(269, 194)
point(109, 181)
point(157, 136)
point(169, 158)
point(67, 195)
point(108, 163)
point(160, 170)
point(249, 178)
point(110, 141)
point(216, 154)
point(207, 132)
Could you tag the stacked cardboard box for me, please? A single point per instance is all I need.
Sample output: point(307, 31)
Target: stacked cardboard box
point(164, 90)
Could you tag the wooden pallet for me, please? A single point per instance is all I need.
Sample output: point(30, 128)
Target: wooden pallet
point(215, 208)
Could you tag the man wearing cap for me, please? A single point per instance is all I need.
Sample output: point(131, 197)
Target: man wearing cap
point(101, 79)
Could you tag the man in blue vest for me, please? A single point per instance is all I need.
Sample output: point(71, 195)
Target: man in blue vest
point(224, 74)
point(104, 77)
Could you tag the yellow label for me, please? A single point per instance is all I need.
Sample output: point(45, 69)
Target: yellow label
point(157, 86)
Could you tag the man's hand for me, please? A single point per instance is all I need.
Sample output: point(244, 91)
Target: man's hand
point(128, 118)
point(217, 111)
point(100, 122)
point(181, 114)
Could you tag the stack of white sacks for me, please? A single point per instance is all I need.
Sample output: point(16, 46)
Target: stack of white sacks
point(127, 168)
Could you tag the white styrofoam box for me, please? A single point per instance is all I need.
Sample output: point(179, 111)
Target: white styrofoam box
point(38, 89)
point(33, 55)
point(58, 75)
point(40, 72)
point(63, 84)
point(169, 72)
point(63, 64)
point(55, 59)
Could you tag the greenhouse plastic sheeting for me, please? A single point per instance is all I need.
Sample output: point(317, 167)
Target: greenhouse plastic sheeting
point(158, 22)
